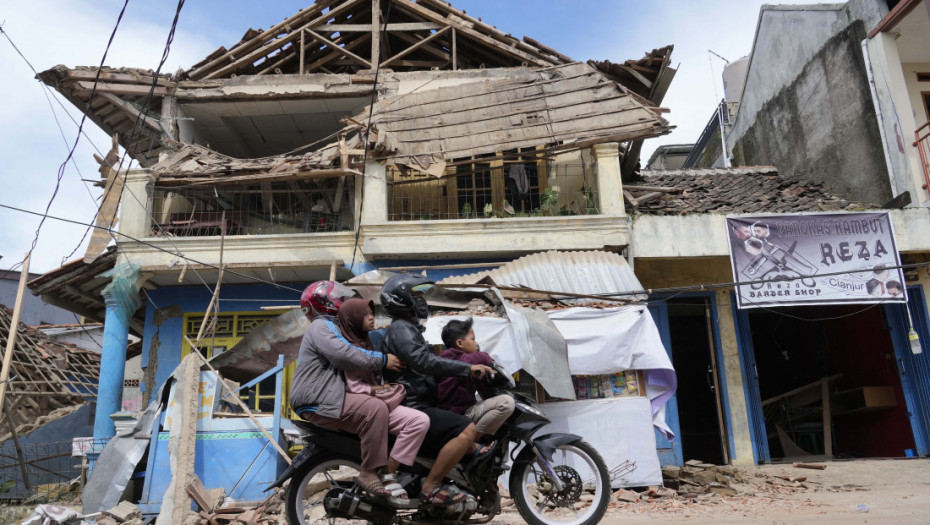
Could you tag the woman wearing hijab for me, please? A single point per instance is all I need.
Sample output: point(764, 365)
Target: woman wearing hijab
point(356, 318)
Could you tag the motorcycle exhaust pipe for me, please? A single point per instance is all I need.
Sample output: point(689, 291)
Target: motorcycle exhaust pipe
point(341, 503)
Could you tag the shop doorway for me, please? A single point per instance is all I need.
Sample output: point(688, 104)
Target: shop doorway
point(693, 352)
point(828, 382)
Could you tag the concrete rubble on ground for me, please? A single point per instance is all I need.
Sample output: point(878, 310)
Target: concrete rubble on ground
point(697, 488)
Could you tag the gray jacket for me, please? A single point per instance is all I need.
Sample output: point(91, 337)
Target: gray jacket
point(319, 384)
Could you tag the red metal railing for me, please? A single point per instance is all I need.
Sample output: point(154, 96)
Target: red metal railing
point(922, 135)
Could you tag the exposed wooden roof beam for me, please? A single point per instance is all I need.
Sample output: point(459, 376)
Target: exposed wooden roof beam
point(360, 28)
point(337, 47)
point(416, 46)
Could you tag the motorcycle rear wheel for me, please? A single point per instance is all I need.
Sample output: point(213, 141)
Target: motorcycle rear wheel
point(581, 470)
point(304, 502)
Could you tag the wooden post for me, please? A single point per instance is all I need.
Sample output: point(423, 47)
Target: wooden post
point(332, 271)
point(827, 429)
point(455, 53)
point(14, 326)
point(19, 449)
point(302, 50)
point(375, 33)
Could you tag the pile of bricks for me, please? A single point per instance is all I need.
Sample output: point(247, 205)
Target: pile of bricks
point(697, 477)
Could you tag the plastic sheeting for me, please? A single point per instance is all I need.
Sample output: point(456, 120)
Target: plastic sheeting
point(599, 341)
point(607, 341)
point(618, 428)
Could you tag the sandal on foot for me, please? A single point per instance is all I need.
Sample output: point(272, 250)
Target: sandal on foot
point(442, 496)
point(398, 495)
point(482, 450)
point(374, 488)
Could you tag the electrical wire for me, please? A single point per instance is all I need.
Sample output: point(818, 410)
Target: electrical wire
point(677, 290)
point(159, 248)
point(61, 169)
point(365, 143)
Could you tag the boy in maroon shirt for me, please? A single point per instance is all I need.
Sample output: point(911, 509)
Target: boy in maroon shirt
point(457, 394)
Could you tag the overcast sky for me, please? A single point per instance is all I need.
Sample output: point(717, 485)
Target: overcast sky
point(75, 33)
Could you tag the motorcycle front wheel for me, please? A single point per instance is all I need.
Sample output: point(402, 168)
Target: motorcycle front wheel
point(308, 487)
point(585, 482)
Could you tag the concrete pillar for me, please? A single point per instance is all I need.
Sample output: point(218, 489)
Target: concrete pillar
point(609, 187)
point(136, 204)
point(738, 416)
point(374, 184)
point(122, 300)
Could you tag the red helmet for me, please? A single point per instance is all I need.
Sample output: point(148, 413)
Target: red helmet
point(324, 298)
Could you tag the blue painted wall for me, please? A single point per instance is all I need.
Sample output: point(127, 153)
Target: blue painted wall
point(179, 300)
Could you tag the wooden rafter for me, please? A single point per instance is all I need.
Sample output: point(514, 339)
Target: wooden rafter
point(418, 45)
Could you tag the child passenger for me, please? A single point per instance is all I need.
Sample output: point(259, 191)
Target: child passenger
point(457, 394)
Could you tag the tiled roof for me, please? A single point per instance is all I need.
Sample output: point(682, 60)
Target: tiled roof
point(758, 189)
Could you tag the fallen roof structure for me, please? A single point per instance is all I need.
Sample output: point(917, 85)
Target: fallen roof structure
point(565, 107)
point(45, 375)
point(730, 190)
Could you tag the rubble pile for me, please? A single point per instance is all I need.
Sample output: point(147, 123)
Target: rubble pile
point(698, 489)
point(216, 509)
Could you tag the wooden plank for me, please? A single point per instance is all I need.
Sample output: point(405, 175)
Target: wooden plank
point(131, 111)
point(410, 39)
point(336, 47)
point(19, 450)
point(827, 420)
point(636, 74)
point(375, 34)
point(455, 52)
point(90, 74)
point(259, 40)
point(106, 215)
point(303, 50)
point(14, 327)
point(198, 492)
point(364, 28)
point(220, 179)
point(416, 46)
point(432, 15)
point(122, 89)
point(274, 43)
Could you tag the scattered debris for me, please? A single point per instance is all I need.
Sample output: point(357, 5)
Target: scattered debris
point(236, 513)
point(815, 466)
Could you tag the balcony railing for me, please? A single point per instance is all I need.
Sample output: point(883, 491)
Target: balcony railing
point(483, 190)
point(275, 208)
point(922, 142)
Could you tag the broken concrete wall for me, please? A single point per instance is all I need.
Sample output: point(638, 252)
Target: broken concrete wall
point(822, 126)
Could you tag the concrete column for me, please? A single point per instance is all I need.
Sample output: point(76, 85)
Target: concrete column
point(122, 300)
point(609, 187)
point(136, 204)
point(738, 417)
point(374, 184)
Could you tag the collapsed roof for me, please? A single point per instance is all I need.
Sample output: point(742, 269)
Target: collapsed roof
point(751, 189)
point(319, 62)
point(563, 107)
point(44, 374)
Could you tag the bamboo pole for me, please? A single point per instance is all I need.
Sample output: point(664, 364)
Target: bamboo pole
point(19, 450)
point(14, 326)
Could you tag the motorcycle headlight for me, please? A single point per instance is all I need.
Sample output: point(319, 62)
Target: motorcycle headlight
point(531, 409)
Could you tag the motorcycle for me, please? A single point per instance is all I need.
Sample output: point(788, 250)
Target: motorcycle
point(554, 478)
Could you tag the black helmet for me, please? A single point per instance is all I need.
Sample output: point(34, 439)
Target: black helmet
point(397, 296)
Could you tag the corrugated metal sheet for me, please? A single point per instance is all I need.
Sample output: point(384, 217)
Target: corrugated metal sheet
point(590, 273)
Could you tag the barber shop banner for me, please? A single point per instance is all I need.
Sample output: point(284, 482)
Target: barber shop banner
point(808, 259)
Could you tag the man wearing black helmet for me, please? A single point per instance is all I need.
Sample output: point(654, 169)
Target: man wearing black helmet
point(450, 435)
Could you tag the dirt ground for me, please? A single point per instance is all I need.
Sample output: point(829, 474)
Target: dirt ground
point(860, 491)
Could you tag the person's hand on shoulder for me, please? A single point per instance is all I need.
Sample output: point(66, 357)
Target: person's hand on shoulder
point(394, 364)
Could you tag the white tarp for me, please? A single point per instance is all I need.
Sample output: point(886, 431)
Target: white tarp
point(600, 341)
point(618, 428)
